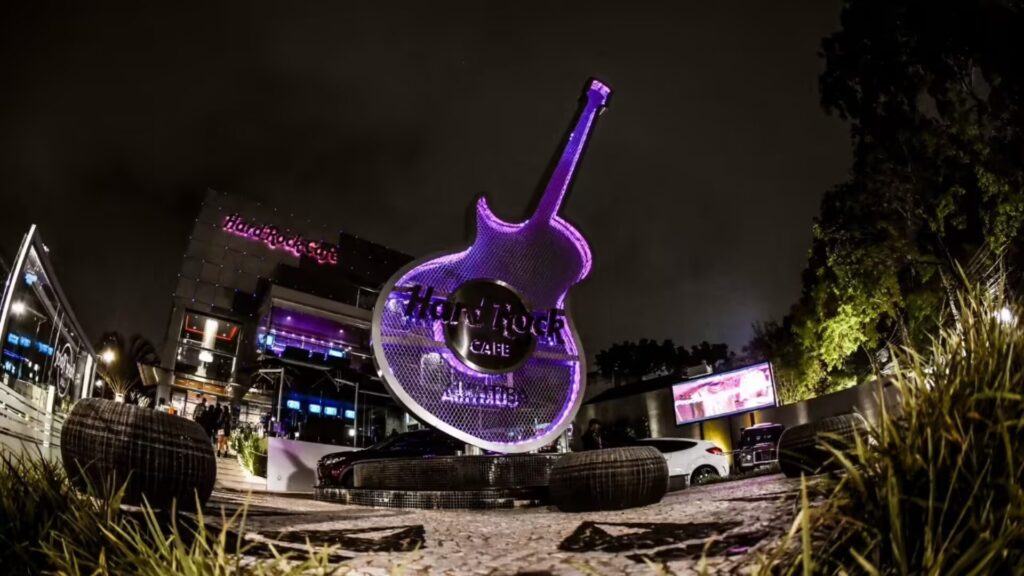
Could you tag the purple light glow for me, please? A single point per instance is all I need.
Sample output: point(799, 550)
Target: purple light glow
point(300, 326)
point(540, 259)
point(484, 211)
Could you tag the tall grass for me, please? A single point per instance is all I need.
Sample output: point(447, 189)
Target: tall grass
point(47, 527)
point(935, 487)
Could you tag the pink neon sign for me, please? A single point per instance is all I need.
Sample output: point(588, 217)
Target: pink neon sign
point(275, 238)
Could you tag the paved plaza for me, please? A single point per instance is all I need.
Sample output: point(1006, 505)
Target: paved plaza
point(725, 524)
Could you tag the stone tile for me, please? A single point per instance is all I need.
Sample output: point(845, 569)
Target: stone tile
point(671, 534)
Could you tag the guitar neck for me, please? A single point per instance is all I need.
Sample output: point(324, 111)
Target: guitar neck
point(554, 193)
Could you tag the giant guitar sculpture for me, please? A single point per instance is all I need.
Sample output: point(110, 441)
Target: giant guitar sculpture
point(478, 343)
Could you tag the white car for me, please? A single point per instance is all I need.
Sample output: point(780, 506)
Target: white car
point(690, 461)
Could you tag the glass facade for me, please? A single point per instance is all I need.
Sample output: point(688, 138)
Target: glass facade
point(207, 347)
point(311, 338)
point(42, 345)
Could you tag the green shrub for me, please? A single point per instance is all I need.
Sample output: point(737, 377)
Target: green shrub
point(37, 503)
point(250, 448)
point(936, 486)
point(47, 527)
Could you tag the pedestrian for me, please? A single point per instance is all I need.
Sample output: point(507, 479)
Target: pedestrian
point(199, 412)
point(592, 437)
point(224, 431)
point(210, 420)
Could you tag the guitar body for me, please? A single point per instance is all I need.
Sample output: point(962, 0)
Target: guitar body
point(478, 343)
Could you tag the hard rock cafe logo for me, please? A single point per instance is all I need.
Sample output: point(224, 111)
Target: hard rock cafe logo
point(64, 369)
point(274, 237)
point(482, 395)
point(486, 324)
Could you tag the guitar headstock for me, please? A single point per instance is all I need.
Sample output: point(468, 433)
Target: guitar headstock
point(598, 93)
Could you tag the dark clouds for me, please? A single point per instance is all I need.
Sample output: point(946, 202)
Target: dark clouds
point(697, 194)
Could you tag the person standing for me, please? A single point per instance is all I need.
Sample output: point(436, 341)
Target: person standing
point(223, 431)
point(592, 437)
point(209, 422)
point(199, 412)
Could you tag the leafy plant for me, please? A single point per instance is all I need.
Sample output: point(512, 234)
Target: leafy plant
point(47, 527)
point(251, 449)
point(121, 371)
point(936, 485)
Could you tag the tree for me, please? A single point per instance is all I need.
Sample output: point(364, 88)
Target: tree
point(633, 360)
point(120, 368)
point(933, 93)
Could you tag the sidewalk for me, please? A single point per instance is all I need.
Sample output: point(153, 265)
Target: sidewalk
point(724, 525)
point(231, 476)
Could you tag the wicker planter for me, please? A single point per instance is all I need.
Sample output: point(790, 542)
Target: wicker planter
point(162, 457)
point(610, 479)
point(800, 447)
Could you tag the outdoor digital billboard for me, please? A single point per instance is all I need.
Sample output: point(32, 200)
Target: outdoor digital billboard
point(732, 392)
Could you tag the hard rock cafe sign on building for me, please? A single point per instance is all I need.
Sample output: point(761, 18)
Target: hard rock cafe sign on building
point(479, 343)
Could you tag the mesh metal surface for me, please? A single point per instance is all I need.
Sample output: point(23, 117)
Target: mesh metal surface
point(456, 472)
point(432, 499)
point(541, 261)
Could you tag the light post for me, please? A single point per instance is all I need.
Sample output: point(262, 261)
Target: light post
point(108, 357)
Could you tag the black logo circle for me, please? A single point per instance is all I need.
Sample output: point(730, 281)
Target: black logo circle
point(492, 332)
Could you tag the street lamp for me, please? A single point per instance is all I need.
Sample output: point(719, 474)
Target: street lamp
point(108, 356)
point(18, 307)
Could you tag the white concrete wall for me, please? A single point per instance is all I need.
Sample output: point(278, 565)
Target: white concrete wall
point(291, 464)
point(28, 426)
point(656, 406)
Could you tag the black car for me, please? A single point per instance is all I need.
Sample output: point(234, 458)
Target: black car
point(758, 447)
point(336, 469)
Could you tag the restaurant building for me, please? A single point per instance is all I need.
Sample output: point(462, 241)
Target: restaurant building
point(47, 361)
point(272, 312)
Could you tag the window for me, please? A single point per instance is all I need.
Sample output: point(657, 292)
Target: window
point(207, 347)
point(753, 437)
point(666, 446)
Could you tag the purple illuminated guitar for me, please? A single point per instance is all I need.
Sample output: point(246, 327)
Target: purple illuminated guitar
point(478, 343)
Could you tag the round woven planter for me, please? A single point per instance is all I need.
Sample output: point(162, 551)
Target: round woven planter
point(456, 472)
point(610, 479)
point(162, 457)
point(800, 447)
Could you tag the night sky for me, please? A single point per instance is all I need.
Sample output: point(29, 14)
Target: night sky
point(697, 193)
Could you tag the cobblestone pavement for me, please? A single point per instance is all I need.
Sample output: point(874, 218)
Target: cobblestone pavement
point(725, 523)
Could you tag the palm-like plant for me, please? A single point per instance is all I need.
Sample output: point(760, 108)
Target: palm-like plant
point(120, 359)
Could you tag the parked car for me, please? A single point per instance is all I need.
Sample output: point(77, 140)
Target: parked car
point(758, 447)
point(690, 461)
point(336, 469)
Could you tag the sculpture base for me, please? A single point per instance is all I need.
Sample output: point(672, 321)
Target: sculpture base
point(433, 499)
point(447, 482)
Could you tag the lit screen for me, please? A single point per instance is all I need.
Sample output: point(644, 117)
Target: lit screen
point(350, 414)
point(293, 404)
point(330, 411)
point(314, 408)
point(742, 390)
